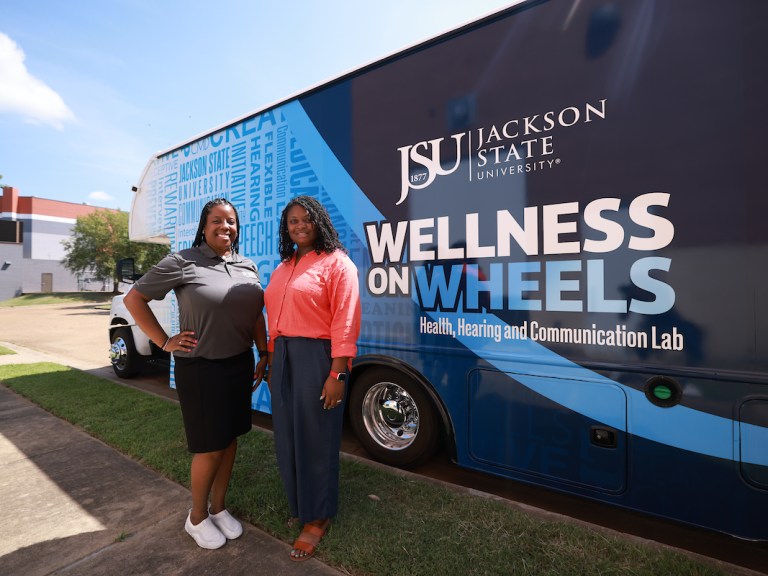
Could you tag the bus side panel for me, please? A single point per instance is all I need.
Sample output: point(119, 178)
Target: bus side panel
point(753, 422)
point(514, 428)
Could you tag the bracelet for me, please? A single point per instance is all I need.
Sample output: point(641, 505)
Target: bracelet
point(166, 343)
point(263, 353)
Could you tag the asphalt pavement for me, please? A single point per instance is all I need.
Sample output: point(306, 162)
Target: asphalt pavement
point(73, 505)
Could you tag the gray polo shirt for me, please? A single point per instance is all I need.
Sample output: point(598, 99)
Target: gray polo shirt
point(220, 300)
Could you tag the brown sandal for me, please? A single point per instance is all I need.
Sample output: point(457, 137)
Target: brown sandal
point(305, 545)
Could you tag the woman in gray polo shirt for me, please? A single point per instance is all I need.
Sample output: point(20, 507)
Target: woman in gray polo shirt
point(220, 313)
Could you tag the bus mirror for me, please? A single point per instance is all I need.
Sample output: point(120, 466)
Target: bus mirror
point(126, 271)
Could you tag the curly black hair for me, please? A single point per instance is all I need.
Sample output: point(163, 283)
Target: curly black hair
point(327, 239)
point(204, 218)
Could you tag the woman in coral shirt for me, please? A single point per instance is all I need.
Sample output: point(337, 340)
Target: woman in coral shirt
point(313, 312)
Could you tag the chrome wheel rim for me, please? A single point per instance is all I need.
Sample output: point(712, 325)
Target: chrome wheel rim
point(118, 353)
point(391, 416)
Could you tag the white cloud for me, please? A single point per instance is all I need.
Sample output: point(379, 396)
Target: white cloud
point(99, 195)
point(22, 93)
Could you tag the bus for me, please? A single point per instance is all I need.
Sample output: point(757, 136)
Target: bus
point(559, 225)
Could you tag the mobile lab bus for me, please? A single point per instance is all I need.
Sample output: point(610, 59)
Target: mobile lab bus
point(558, 214)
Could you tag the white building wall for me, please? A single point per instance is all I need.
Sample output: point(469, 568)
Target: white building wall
point(11, 270)
point(47, 246)
point(63, 279)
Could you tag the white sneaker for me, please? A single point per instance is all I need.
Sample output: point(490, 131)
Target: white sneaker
point(227, 524)
point(205, 534)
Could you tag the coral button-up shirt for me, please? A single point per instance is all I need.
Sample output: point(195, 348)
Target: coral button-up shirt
point(318, 298)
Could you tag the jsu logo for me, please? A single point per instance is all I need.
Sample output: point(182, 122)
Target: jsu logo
point(427, 165)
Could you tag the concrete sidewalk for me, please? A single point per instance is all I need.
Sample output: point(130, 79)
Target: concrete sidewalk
point(72, 505)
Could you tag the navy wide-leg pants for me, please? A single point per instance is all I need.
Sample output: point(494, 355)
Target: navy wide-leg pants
point(307, 437)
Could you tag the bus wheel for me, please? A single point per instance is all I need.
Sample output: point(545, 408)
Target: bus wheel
point(393, 417)
point(122, 353)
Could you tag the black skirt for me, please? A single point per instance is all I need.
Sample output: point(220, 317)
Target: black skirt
point(215, 399)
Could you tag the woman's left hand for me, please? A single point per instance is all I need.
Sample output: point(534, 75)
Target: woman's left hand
point(333, 393)
point(260, 372)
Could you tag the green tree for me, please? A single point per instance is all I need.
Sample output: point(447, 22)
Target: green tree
point(100, 239)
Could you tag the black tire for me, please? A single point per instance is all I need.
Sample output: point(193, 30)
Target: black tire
point(393, 417)
point(123, 355)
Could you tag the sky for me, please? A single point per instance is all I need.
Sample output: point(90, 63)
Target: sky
point(90, 90)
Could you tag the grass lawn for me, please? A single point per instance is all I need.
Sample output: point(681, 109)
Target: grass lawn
point(58, 298)
point(388, 524)
point(4, 351)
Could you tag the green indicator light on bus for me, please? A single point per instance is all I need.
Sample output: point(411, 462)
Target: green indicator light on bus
point(662, 392)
